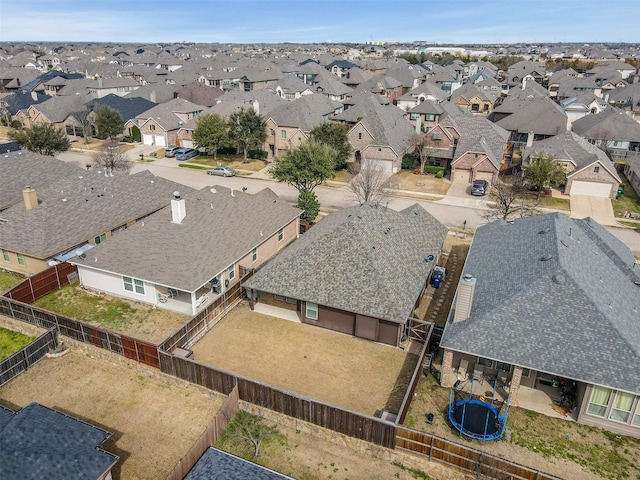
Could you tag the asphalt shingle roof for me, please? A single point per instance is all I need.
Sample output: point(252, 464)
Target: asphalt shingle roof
point(552, 294)
point(366, 259)
point(219, 229)
point(216, 464)
point(39, 442)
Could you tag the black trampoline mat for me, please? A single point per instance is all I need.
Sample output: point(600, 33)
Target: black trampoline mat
point(477, 416)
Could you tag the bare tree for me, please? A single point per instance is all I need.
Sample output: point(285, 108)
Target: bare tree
point(246, 428)
point(369, 183)
point(112, 159)
point(510, 200)
point(424, 147)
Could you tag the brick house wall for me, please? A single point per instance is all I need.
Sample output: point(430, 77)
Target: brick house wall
point(359, 138)
point(271, 246)
point(590, 175)
point(474, 166)
point(278, 142)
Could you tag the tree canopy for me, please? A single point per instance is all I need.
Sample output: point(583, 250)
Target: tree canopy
point(247, 129)
point(510, 200)
point(306, 166)
point(309, 204)
point(543, 171)
point(334, 135)
point(42, 138)
point(108, 122)
point(210, 133)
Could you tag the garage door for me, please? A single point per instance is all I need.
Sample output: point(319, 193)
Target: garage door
point(461, 175)
point(336, 320)
point(385, 166)
point(160, 141)
point(366, 327)
point(147, 139)
point(187, 143)
point(488, 176)
point(592, 189)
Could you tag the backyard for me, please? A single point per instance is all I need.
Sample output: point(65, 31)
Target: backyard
point(313, 362)
point(628, 202)
point(8, 280)
point(124, 316)
point(153, 423)
point(560, 447)
point(11, 342)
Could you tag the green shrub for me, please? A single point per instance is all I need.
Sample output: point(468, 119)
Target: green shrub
point(257, 154)
point(408, 161)
point(440, 174)
point(227, 151)
point(15, 124)
point(433, 170)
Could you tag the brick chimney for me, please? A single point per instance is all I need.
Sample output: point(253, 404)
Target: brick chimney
point(464, 299)
point(30, 198)
point(178, 209)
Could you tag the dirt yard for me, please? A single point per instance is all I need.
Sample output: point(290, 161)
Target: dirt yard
point(153, 423)
point(314, 362)
point(407, 180)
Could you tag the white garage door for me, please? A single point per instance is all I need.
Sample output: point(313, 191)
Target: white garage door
point(385, 166)
point(461, 175)
point(592, 189)
point(187, 143)
point(147, 139)
point(160, 141)
point(488, 176)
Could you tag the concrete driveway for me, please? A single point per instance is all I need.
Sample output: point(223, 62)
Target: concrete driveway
point(459, 194)
point(600, 209)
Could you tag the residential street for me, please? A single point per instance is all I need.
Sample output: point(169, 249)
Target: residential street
point(452, 211)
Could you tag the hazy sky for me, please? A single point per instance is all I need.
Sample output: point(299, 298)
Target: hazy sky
point(237, 21)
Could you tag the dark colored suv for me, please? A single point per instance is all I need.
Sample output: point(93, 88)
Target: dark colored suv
point(479, 187)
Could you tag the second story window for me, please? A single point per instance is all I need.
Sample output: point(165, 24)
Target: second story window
point(283, 134)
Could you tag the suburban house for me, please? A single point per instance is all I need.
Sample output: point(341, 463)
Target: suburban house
point(425, 115)
point(160, 124)
point(54, 111)
point(581, 106)
point(475, 100)
point(186, 255)
point(359, 271)
point(628, 99)
point(378, 131)
point(117, 85)
point(51, 213)
point(289, 125)
point(589, 170)
point(216, 463)
point(632, 172)
point(612, 129)
point(40, 442)
point(572, 294)
point(426, 91)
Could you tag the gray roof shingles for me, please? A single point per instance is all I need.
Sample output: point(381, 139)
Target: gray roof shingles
point(557, 295)
point(39, 442)
point(366, 259)
point(216, 464)
point(219, 229)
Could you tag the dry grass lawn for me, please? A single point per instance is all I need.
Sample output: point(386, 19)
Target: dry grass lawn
point(407, 180)
point(314, 362)
point(153, 423)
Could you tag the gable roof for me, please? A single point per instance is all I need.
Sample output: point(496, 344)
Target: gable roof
point(127, 107)
point(533, 114)
point(366, 259)
point(564, 306)
point(306, 112)
point(39, 442)
point(610, 124)
point(78, 207)
point(220, 228)
point(572, 147)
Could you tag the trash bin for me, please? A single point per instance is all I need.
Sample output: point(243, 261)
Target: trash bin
point(620, 192)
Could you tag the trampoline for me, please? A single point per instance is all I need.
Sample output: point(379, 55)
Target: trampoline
point(475, 417)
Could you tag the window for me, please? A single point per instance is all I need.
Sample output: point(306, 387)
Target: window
point(415, 116)
point(636, 417)
point(312, 311)
point(485, 362)
point(133, 285)
point(475, 107)
point(359, 135)
point(503, 366)
point(621, 408)
point(20, 259)
point(152, 127)
point(232, 271)
point(254, 254)
point(280, 234)
point(526, 372)
point(429, 117)
point(272, 132)
point(618, 143)
point(596, 169)
point(100, 238)
point(599, 401)
point(5, 255)
point(283, 133)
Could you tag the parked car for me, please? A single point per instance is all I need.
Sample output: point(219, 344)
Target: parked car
point(437, 276)
point(222, 171)
point(479, 187)
point(171, 151)
point(186, 153)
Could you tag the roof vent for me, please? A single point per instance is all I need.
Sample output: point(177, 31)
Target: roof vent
point(546, 258)
point(544, 230)
point(558, 278)
point(213, 190)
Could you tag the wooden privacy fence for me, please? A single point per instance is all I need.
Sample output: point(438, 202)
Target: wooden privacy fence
point(20, 361)
point(482, 465)
point(363, 427)
point(132, 348)
point(208, 438)
point(205, 320)
point(415, 378)
point(39, 285)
